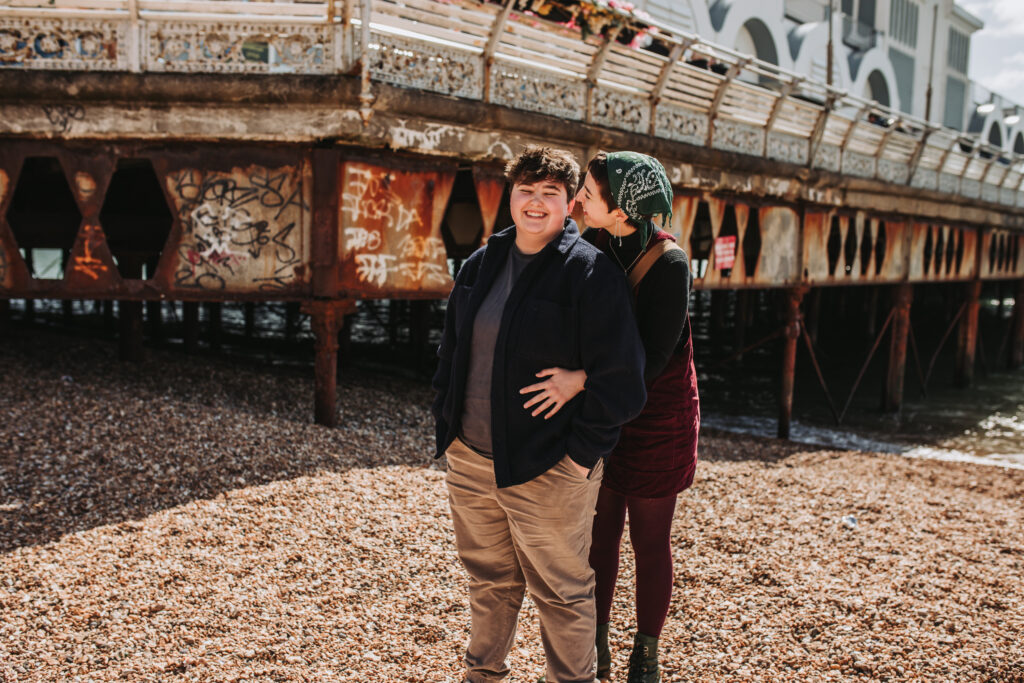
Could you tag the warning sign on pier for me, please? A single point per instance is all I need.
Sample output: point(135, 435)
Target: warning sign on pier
point(725, 252)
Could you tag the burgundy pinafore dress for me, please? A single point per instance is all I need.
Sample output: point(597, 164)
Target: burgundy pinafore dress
point(657, 452)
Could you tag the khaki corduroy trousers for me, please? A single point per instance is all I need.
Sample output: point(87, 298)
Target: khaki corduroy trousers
point(532, 536)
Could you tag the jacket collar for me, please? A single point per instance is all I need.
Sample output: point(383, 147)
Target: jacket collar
point(563, 242)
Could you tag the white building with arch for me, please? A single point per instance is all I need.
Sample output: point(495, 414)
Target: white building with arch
point(909, 55)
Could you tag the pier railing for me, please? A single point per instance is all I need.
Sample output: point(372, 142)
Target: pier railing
point(633, 74)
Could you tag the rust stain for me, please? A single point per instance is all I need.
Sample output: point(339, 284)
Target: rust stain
point(85, 184)
point(91, 266)
point(390, 222)
point(490, 188)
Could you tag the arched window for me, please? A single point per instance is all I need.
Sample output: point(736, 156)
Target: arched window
point(877, 89)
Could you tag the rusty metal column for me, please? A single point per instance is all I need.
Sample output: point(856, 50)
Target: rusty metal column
point(214, 324)
point(967, 340)
point(155, 319)
point(326, 318)
point(740, 329)
point(250, 320)
point(1017, 344)
point(790, 339)
point(129, 314)
point(892, 398)
point(190, 325)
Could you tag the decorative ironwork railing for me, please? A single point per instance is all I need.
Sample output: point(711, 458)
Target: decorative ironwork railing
point(583, 62)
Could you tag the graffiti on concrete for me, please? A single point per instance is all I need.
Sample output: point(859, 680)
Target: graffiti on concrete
point(240, 230)
point(388, 227)
point(61, 116)
point(87, 262)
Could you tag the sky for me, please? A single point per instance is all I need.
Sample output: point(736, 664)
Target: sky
point(997, 51)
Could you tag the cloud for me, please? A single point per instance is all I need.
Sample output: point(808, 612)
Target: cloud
point(1002, 17)
point(1008, 78)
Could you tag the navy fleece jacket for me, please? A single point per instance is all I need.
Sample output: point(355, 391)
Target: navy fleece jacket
point(570, 308)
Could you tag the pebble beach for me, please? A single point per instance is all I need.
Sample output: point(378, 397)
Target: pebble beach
point(182, 519)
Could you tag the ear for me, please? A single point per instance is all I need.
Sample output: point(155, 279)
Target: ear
point(572, 205)
point(620, 215)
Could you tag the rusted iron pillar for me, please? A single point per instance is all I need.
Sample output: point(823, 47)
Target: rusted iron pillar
point(108, 315)
point(813, 314)
point(871, 312)
point(214, 326)
point(129, 315)
point(155, 319)
point(326, 318)
point(740, 331)
point(250, 320)
point(1017, 345)
point(345, 342)
point(967, 340)
point(190, 326)
point(892, 397)
point(790, 338)
point(719, 304)
point(419, 329)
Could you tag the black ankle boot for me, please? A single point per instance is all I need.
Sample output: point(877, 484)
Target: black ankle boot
point(604, 655)
point(643, 662)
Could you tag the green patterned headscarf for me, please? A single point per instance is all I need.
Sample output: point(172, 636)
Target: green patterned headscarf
point(641, 188)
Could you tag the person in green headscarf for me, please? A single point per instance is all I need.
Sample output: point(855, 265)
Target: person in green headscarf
point(656, 456)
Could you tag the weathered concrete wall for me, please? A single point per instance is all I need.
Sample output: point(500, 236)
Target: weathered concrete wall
point(325, 110)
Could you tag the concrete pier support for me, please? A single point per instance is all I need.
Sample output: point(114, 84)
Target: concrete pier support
point(129, 315)
point(326, 319)
point(967, 339)
point(190, 326)
point(740, 329)
point(214, 324)
point(1017, 338)
point(892, 397)
point(155, 319)
point(250, 320)
point(791, 313)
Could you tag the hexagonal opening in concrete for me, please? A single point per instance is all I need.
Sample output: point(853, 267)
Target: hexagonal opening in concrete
point(730, 228)
point(135, 218)
point(880, 248)
point(951, 250)
point(834, 245)
point(700, 240)
point(929, 248)
point(752, 242)
point(866, 248)
point(959, 258)
point(940, 250)
point(850, 247)
point(463, 224)
point(44, 217)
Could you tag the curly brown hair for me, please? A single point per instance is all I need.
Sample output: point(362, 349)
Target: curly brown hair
point(537, 163)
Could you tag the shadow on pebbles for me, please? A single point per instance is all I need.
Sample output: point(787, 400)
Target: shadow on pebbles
point(182, 520)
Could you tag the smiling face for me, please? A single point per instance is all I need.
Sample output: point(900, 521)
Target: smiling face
point(539, 210)
point(596, 213)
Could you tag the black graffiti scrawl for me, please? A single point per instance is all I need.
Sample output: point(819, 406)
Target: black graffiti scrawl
point(240, 230)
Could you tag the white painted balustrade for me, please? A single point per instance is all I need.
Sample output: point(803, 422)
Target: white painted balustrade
point(672, 84)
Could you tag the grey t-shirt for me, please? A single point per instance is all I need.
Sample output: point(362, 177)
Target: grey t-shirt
point(476, 414)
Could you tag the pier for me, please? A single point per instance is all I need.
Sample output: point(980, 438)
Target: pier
point(328, 153)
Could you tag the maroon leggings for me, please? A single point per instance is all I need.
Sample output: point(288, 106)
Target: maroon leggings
point(650, 524)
